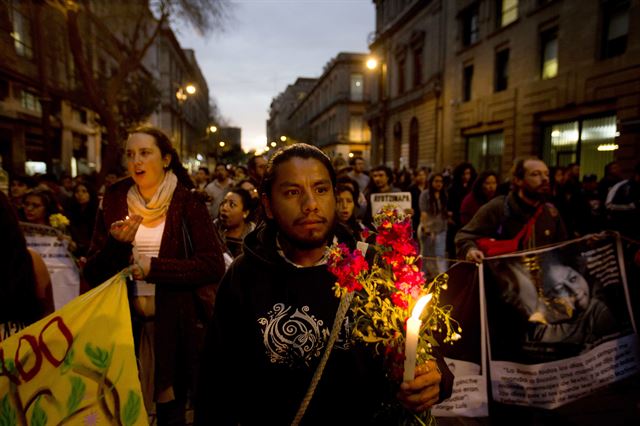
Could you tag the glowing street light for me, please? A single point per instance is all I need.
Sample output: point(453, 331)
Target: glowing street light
point(273, 144)
point(372, 63)
point(191, 89)
point(283, 138)
point(213, 129)
point(222, 144)
point(351, 155)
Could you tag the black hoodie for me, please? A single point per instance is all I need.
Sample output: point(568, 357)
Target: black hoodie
point(270, 325)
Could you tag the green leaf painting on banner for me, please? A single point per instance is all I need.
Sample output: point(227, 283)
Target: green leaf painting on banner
point(98, 356)
point(39, 417)
point(131, 410)
point(8, 415)
point(78, 389)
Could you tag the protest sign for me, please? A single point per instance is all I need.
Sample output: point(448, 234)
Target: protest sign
point(466, 358)
point(76, 366)
point(64, 273)
point(399, 200)
point(559, 321)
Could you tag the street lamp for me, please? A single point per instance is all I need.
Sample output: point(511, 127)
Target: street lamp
point(182, 94)
point(283, 138)
point(372, 63)
point(379, 119)
point(273, 144)
point(212, 129)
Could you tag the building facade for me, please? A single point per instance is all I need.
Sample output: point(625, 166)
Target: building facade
point(331, 115)
point(552, 78)
point(279, 126)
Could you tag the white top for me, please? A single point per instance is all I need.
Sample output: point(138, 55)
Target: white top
point(147, 243)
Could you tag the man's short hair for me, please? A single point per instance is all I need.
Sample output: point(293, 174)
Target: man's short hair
point(299, 150)
point(251, 164)
point(352, 161)
point(386, 170)
point(205, 170)
point(518, 169)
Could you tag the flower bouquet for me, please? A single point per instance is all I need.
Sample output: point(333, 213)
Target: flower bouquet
point(385, 294)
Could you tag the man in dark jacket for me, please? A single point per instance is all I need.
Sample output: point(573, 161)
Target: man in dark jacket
point(274, 312)
point(504, 216)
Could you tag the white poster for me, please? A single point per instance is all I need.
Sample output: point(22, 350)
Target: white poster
point(399, 200)
point(64, 273)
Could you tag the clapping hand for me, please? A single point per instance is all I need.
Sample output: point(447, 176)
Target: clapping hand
point(125, 230)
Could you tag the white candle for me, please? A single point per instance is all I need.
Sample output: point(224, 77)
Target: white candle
point(411, 342)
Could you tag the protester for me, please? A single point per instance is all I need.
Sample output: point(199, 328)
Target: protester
point(505, 216)
point(234, 221)
point(25, 289)
point(420, 183)
point(83, 207)
point(482, 191)
point(358, 173)
point(432, 231)
point(463, 177)
point(347, 197)
point(256, 167)
point(381, 182)
point(39, 204)
point(20, 184)
point(202, 178)
point(275, 308)
point(152, 224)
point(623, 206)
point(218, 188)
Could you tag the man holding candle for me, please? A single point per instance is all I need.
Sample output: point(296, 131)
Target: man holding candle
point(275, 310)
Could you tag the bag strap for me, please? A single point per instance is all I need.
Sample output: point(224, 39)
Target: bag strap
point(341, 313)
point(525, 232)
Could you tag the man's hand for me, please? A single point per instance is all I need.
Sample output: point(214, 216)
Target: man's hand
point(421, 393)
point(125, 230)
point(475, 255)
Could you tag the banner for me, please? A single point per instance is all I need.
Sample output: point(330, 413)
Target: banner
point(64, 273)
point(466, 357)
point(559, 321)
point(400, 200)
point(77, 366)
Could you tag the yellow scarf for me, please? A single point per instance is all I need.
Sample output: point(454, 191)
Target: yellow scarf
point(158, 205)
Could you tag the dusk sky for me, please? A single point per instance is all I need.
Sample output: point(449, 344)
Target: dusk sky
point(267, 45)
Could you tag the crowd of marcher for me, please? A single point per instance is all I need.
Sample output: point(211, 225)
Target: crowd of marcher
point(177, 234)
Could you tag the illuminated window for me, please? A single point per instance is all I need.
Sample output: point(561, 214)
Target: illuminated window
point(30, 101)
point(485, 151)
point(507, 11)
point(588, 142)
point(549, 52)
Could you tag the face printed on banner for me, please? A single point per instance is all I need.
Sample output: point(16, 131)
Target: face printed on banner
point(567, 293)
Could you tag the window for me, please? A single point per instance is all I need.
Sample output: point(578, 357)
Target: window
point(397, 144)
point(355, 128)
point(467, 83)
point(29, 100)
point(588, 142)
point(501, 70)
point(507, 12)
point(470, 28)
point(485, 151)
point(615, 28)
point(357, 87)
point(549, 53)
point(414, 143)
point(401, 70)
point(21, 33)
point(417, 67)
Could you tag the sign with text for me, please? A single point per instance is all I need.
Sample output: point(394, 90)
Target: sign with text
point(64, 273)
point(399, 200)
point(466, 358)
point(560, 323)
point(76, 366)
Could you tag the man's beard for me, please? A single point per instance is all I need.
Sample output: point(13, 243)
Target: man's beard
point(312, 243)
point(534, 195)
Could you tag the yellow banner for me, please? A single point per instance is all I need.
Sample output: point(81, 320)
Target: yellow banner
point(75, 367)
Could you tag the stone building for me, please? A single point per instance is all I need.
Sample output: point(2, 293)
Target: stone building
point(331, 115)
point(553, 78)
point(278, 125)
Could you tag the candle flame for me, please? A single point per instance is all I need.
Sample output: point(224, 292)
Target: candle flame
point(126, 218)
point(420, 305)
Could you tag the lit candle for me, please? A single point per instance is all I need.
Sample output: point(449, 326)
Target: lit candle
point(411, 342)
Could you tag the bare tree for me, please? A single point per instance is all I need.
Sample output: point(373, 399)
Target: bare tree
point(124, 31)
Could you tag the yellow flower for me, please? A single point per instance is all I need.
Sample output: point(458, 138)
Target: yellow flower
point(58, 221)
